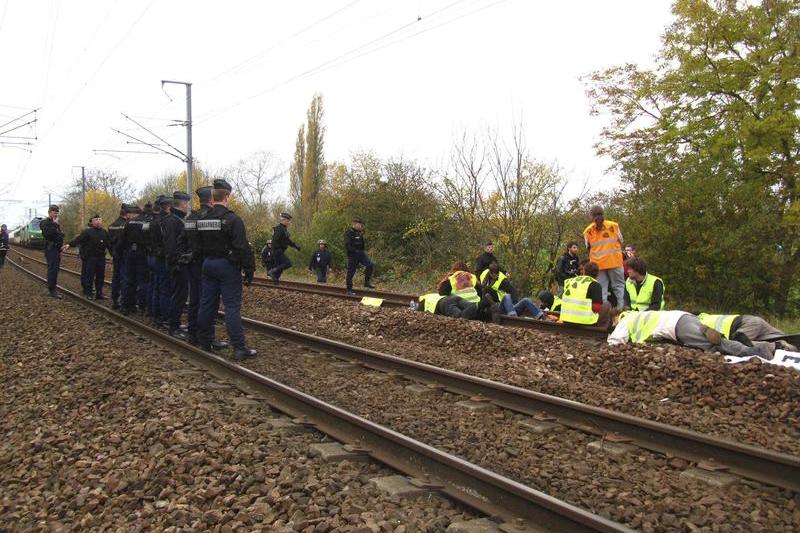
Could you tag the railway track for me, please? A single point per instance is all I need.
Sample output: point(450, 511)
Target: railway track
point(398, 299)
point(519, 507)
point(759, 464)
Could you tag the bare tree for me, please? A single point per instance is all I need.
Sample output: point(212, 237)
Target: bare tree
point(254, 177)
point(108, 181)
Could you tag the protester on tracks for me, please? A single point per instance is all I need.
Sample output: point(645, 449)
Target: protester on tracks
point(582, 302)
point(177, 271)
point(745, 329)
point(643, 291)
point(3, 244)
point(228, 261)
point(114, 234)
point(320, 261)
point(549, 302)
point(268, 256)
point(355, 246)
point(567, 266)
point(682, 328)
point(486, 258)
point(462, 283)
point(499, 287)
point(53, 242)
point(604, 243)
point(451, 306)
point(280, 243)
point(132, 246)
point(94, 241)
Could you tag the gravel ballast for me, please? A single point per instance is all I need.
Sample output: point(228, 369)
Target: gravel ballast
point(103, 430)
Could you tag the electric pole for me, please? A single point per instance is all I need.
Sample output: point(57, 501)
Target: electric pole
point(188, 124)
point(83, 192)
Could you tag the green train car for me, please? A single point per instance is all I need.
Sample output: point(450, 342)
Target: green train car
point(31, 234)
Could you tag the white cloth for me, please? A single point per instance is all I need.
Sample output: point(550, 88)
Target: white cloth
point(665, 330)
point(781, 358)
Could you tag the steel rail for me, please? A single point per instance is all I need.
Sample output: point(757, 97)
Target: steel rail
point(481, 489)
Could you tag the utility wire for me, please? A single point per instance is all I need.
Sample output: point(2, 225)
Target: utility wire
point(155, 135)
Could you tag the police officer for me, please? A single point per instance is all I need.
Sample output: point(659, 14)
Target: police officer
point(190, 253)
point(131, 246)
point(53, 242)
point(268, 256)
point(223, 242)
point(3, 244)
point(161, 286)
point(146, 306)
point(93, 242)
point(177, 272)
point(114, 234)
point(280, 242)
point(354, 246)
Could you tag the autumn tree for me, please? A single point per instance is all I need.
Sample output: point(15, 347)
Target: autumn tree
point(313, 158)
point(707, 146)
point(297, 167)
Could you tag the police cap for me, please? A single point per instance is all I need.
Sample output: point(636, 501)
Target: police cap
point(164, 200)
point(180, 195)
point(135, 209)
point(222, 184)
point(53, 208)
point(357, 220)
point(204, 193)
point(286, 216)
point(94, 216)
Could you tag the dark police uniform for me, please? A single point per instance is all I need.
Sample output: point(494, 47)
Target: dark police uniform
point(53, 241)
point(131, 246)
point(148, 213)
point(268, 256)
point(354, 246)
point(223, 243)
point(176, 272)
point(320, 262)
point(114, 234)
point(161, 288)
point(280, 242)
point(191, 255)
point(93, 244)
point(3, 246)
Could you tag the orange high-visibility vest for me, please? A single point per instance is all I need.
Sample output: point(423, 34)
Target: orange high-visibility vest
point(604, 246)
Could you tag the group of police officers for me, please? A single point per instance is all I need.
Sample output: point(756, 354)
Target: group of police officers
point(163, 255)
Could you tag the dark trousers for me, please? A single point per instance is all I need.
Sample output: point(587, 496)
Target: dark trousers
point(53, 256)
point(135, 280)
point(359, 257)
point(93, 274)
point(179, 280)
point(221, 278)
point(164, 296)
point(322, 274)
point(156, 269)
point(195, 284)
point(3, 257)
point(281, 262)
point(117, 277)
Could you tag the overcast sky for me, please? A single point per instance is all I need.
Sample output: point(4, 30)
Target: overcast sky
point(391, 83)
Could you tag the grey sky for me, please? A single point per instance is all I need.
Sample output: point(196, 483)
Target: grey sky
point(465, 65)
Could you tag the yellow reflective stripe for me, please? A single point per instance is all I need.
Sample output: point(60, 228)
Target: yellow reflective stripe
point(606, 252)
point(577, 313)
point(603, 241)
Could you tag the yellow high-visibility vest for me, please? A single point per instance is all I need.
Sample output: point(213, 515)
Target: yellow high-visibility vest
point(430, 301)
point(576, 307)
point(642, 299)
point(496, 284)
point(721, 323)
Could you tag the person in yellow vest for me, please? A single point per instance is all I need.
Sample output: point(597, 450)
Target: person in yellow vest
point(462, 283)
point(582, 302)
point(682, 328)
point(451, 306)
point(499, 288)
point(643, 291)
point(604, 243)
point(549, 301)
point(745, 329)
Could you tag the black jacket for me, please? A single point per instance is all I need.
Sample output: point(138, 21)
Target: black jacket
point(188, 240)
point(566, 267)
point(228, 238)
point(172, 227)
point(115, 231)
point(483, 262)
point(505, 286)
point(281, 240)
point(133, 235)
point(320, 259)
point(354, 241)
point(93, 242)
point(267, 257)
point(4, 240)
point(51, 231)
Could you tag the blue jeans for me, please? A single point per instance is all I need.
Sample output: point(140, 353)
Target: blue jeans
point(508, 305)
point(221, 278)
point(180, 290)
point(359, 257)
point(53, 256)
point(135, 280)
point(281, 262)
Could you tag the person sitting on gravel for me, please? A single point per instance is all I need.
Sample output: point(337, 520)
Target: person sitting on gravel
point(499, 287)
point(462, 283)
point(451, 306)
point(644, 291)
point(745, 329)
point(582, 302)
point(682, 328)
point(549, 301)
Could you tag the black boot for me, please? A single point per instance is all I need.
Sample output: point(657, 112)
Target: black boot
point(218, 345)
point(240, 354)
point(178, 334)
point(54, 294)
